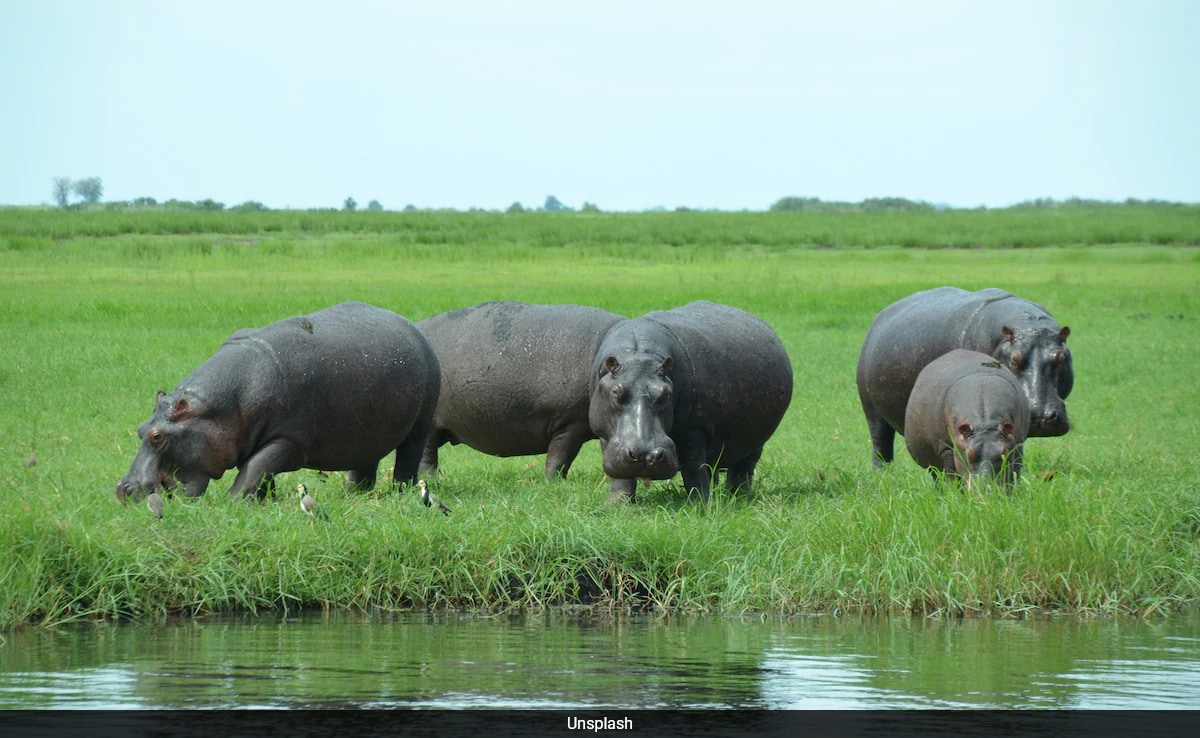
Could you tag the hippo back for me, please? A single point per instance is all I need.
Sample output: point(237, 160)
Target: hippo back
point(514, 373)
point(335, 372)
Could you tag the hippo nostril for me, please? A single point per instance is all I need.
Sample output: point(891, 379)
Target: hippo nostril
point(633, 454)
point(657, 455)
point(1051, 416)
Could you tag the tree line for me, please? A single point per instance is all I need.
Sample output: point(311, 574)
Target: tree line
point(89, 190)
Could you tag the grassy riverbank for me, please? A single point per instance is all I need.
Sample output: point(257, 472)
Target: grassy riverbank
point(97, 314)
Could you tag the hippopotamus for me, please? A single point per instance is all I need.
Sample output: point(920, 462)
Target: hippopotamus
point(909, 334)
point(335, 390)
point(696, 390)
point(967, 416)
point(516, 379)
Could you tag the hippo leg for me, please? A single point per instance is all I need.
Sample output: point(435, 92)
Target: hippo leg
point(363, 478)
point(277, 456)
point(883, 439)
point(622, 490)
point(694, 467)
point(564, 447)
point(740, 474)
point(409, 455)
point(429, 455)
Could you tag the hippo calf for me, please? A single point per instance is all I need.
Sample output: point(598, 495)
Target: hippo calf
point(334, 390)
point(516, 379)
point(909, 334)
point(695, 390)
point(967, 416)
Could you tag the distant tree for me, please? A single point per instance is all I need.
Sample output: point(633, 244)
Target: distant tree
point(250, 206)
point(350, 204)
point(89, 189)
point(62, 191)
point(516, 207)
point(144, 202)
point(796, 205)
point(210, 204)
point(893, 205)
point(553, 204)
point(409, 207)
point(374, 205)
point(589, 207)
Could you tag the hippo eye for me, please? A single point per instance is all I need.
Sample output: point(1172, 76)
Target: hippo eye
point(618, 392)
point(1058, 359)
point(1017, 359)
point(664, 394)
point(155, 437)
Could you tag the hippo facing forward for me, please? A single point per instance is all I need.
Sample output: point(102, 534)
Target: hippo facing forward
point(696, 389)
point(967, 416)
point(334, 390)
point(516, 379)
point(907, 335)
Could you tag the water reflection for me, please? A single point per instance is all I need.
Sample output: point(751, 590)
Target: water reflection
point(595, 662)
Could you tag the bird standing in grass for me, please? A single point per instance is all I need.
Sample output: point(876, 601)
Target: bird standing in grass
point(309, 504)
point(430, 499)
point(154, 502)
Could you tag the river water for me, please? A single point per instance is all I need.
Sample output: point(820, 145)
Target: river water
point(557, 660)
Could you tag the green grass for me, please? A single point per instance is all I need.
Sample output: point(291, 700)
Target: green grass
point(99, 312)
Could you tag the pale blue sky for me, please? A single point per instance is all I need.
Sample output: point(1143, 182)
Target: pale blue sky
point(726, 104)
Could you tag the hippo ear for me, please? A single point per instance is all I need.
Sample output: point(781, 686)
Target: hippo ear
point(1008, 333)
point(1062, 335)
point(964, 430)
point(181, 409)
point(1006, 430)
point(666, 367)
point(610, 366)
point(159, 395)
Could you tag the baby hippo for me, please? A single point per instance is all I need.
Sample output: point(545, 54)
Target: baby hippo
point(967, 416)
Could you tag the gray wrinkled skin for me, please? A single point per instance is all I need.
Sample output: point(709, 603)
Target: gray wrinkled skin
point(336, 390)
point(516, 379)
point(909, 334)
point(968, 417)
point(695, 390)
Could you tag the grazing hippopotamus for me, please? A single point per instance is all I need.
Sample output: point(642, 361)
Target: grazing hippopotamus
point(334, 390)
point(909, 334)
point(968, 416)
point(696, 389)
point(516, 379)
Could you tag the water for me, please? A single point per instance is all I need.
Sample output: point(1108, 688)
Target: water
point(555, 660)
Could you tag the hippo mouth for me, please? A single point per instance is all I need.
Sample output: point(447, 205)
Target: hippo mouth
point(138, 489)
point(1049, 425)
point(631, 463)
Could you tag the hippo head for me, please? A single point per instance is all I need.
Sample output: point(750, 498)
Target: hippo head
point(1041, 361)
point(632, 411)
point(180, 442)
point(986, 451)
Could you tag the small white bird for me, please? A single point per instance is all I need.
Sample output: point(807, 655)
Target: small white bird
point(154, 502)
point(309, 504)
point(430, 499)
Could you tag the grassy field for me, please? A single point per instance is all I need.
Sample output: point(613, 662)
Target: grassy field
point(100, 310)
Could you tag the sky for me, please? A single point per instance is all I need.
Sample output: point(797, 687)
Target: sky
point(629, 105)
